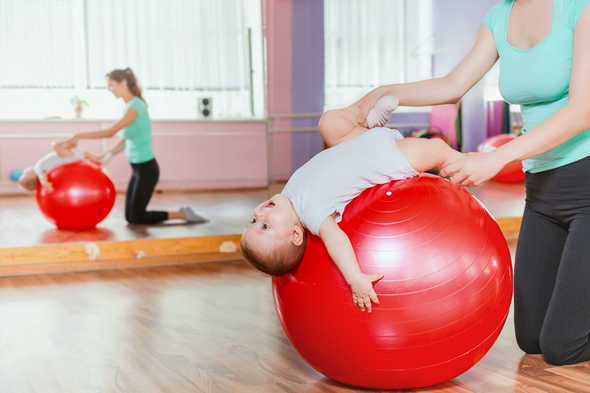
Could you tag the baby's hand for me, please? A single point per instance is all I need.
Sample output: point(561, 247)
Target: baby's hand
point(363, 292)
point(49, 187)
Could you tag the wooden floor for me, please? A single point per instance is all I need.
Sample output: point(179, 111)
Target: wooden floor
point(23, 225)
point(228, 212)
point(194, 328)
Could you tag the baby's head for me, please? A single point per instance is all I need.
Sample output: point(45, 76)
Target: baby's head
point(29, 180)
point(274, 241)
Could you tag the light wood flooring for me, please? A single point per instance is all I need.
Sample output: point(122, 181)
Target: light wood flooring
point(228, 212)
point(194, 328)
point(23, 225)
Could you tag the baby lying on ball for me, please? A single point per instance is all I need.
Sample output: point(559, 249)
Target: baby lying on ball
point(63, 154)
point(315, 197)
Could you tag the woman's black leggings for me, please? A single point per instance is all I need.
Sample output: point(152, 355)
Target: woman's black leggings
point(139, 192)
point(552, 270)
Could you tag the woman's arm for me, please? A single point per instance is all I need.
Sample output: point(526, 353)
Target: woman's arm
point(116, 149)
point(557, 129)
point(129, 117)
point(105, 158)
point(446, 90)
point(342, 253)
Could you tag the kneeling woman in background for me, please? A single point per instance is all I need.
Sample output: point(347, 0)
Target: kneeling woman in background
point(136, 130)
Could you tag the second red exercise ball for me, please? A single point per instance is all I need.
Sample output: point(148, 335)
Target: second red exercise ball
point(83, 196)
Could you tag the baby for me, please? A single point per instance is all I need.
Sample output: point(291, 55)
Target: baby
point(63, 154)
point(359, 157)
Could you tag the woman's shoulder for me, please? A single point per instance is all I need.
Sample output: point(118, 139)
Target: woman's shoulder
point(573, 11)
point(497, 14)
point(137, 103)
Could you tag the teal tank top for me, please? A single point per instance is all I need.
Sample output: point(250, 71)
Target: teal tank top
point(138, 134)
point(538, 78)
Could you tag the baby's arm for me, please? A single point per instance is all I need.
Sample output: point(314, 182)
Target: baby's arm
point(425, 154)
point(342, 253)
point(106, 157)
point(44, 182)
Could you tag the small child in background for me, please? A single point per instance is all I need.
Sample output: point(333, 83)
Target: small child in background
point(62, 154)
point(359, 157)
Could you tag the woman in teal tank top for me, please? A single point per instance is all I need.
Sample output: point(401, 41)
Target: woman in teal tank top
point(135, 129)
point(544, 51)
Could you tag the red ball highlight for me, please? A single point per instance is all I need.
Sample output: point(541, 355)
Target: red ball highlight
point(83, 196)
point(444, 298)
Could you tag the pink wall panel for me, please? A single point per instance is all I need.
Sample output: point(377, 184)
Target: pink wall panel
point(279, 76)
point(192, 155)
point(279, 55)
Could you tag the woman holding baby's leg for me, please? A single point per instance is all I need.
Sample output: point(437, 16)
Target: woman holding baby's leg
point(135, 129)
point(545, 68)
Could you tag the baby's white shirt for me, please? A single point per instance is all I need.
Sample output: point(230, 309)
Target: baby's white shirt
point(52, 160)
point(334, 177)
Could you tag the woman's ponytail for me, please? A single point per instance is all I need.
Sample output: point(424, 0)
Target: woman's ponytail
point(129, 76)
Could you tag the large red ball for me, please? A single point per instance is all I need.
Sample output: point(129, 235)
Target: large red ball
point(444, 298)
point(83, 196)
point(511, 173)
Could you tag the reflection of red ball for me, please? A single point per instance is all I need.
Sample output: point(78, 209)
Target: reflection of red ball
point(511, 173)
point(83, 196)
point(444, 298)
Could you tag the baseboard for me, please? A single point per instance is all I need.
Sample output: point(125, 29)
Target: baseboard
point(117, 254)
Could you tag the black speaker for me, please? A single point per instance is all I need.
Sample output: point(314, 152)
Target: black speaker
point(205, 107)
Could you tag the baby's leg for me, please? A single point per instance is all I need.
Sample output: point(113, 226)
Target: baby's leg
point(62, 149)
point(425, 154)
point(381, 113)
point(339, 125)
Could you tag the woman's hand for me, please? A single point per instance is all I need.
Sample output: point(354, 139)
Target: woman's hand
point(368, 102)
point(473, 170)
point(363, 292)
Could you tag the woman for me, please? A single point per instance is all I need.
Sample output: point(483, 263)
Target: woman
point(136, 131)
point(543, 47)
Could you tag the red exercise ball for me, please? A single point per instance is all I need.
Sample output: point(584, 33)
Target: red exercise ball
point(444, 298)
point(511, 173)
point(83, 196)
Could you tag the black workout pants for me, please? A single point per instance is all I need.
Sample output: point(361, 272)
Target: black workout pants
point(139, 192)
point(552, 270)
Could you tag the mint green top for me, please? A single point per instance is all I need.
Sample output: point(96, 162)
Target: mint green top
point(538, 78)
point(138, 134)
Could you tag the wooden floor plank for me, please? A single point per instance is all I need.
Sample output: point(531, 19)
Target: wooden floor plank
point(195, 328)
point(573, 374)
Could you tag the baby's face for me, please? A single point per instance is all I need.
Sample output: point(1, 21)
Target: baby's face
point(28, 179)
point(272, 224)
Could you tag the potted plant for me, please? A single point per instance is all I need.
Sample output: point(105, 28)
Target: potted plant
point(79, 103)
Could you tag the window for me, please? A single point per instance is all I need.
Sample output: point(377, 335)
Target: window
point(180, 51)
point(374, 43)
